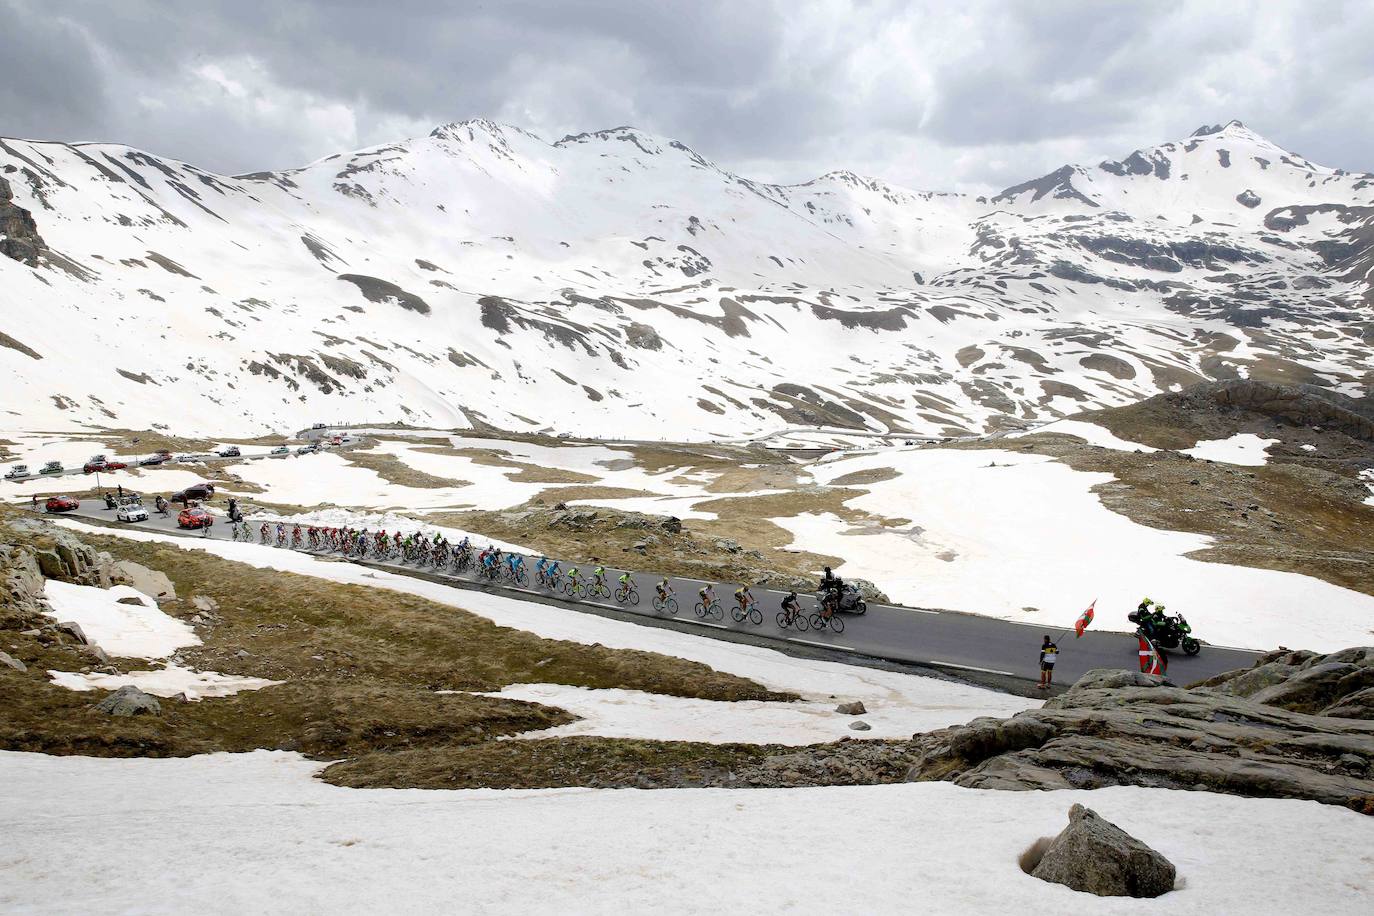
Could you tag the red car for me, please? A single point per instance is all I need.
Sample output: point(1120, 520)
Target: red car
point(115, 465)
point(90, 467)
point(195, 517)
point(62, 503)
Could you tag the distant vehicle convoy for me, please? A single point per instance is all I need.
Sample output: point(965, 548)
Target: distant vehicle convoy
point(102, 462)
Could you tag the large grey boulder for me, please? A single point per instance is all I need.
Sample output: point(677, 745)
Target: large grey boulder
point(129, 701)
point(1095, 856)
point(10, 661)
point(150, 582)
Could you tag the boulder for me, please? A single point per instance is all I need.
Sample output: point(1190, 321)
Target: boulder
point(132, 599)
point(73, 629)
point(129, 701)
point(10, 661)
point(859, 725)
point(851, 709)
point(205, 603)
point(150, 582)
point(1094, 856)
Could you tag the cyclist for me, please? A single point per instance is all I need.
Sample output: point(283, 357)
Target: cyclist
point(573, 575)
point(598, 577)
point(708, 594)
point(514, 561)
point(665, 591)
point(552, 574)
point(465, 544)
point(743, 598)
point(437, 537)
point(790, 606)
point(625, 582)
point(281, 533)
point(398, 540)
point(262, 532)
point(541, 567)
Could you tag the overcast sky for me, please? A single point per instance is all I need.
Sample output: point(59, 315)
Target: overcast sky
point(943, 95)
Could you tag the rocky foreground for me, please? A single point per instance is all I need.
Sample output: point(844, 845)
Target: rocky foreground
point(1296, 725)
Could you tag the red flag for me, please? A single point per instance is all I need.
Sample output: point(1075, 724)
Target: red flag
point(1152, 661)
point(1084, 619)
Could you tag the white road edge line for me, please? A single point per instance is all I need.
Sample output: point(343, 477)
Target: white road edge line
point(936, 661)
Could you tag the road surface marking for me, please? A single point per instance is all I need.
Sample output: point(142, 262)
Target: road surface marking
point(970, 667)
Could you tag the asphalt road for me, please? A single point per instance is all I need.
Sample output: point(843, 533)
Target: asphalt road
point(940, 639)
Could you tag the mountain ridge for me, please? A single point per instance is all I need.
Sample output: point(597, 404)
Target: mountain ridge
point(481, 273)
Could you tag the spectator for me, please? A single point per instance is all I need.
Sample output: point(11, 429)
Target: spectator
point(1049, 652)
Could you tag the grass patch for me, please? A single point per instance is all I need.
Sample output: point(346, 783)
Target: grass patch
point(547, 763)
point(395, 471)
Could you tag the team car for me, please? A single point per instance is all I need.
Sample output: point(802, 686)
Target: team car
point(62, 504)
point(194, 517)
point(131, 510)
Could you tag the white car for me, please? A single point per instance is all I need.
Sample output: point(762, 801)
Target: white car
point(19, 470)
point(131, 510)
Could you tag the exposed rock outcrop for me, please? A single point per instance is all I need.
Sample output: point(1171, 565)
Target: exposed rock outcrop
point(1234, 735)
point(1095, 856)
point(19, 238)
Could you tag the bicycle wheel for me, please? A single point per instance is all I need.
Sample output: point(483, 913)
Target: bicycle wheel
point(781, 620)
point(755, 616)
point(620, 595)
point(836, 623)
point(701, 610)
point(671, 605)
point(737, 613)
point(634, 598)
point(817, 622)
point(716, 610)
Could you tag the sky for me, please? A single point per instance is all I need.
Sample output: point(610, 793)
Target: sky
point(973, 96)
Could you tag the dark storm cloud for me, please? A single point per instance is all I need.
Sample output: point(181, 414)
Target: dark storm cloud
point(927, 94)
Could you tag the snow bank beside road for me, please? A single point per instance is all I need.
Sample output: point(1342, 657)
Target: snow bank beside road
point(315, 847)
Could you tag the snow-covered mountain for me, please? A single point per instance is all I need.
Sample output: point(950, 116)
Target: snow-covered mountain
point(617, 283)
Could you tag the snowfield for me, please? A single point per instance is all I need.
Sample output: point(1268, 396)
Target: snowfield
point(129, 630)
point(255, 833)
point(898, 707)
point(1243, 448)
point(136, 631)
point(1022, 537)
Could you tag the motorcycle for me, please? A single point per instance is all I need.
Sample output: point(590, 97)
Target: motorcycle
point(1167, 632)
point(850, 601)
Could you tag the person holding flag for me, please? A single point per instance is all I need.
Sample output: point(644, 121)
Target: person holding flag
point(1049, 654)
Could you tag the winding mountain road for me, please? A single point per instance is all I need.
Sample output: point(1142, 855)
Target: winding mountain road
point(984, 649)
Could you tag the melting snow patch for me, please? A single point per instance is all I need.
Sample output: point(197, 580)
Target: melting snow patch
point(907, 706)
point(164, 682)
point(1242, 448)
point(128, 630)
